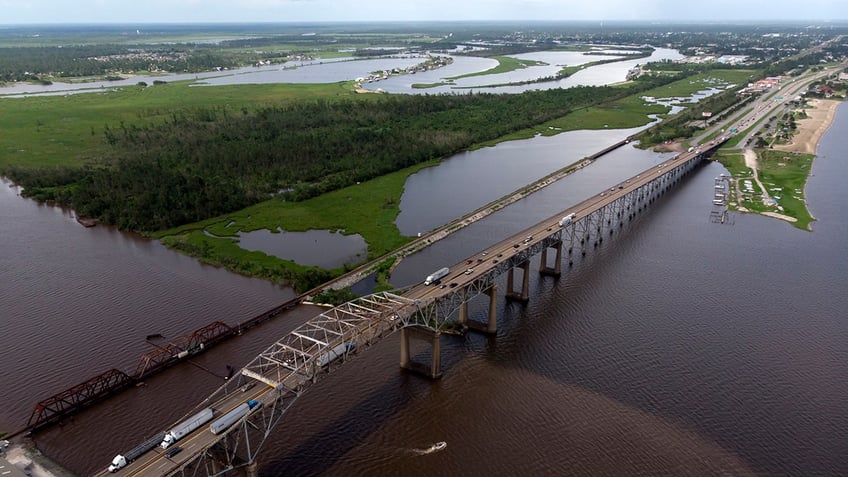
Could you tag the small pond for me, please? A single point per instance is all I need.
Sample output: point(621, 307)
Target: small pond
point(319, 248)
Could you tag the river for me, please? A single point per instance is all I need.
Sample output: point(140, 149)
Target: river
point(678, 347)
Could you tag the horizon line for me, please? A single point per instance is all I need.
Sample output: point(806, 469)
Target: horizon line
point(829, 21)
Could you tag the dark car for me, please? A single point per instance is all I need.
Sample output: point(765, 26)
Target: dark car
point(173, 451)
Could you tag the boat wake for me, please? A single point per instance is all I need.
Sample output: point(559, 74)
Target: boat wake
point(437, 447)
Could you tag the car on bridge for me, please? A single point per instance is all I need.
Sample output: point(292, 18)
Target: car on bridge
point(173, 451)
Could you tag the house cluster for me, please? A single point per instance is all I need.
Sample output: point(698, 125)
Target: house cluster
point(289, 58)
point(725, 59)
point(761, 85)
point(145, 56)
point(432, 63)
point(824, 90)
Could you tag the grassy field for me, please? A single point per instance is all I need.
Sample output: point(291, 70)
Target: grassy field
point(691, 85)
point(51, 131)
point(505, 65)
point(783, 174)
point(431, 85)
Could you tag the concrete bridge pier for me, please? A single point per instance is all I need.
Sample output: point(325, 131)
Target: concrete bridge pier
point(524, 294)
point(251, 470)
point(214, 466)
point(546, 269)
point(491, 327)
point(434, 370)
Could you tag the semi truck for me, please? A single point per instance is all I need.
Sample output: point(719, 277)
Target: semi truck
point(233, 416)
point(567, 220)
point(182, 429)
point(121, 460)
point(437, 275)
point(334, 354)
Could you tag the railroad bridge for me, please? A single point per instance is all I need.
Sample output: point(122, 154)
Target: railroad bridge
point(287, 368)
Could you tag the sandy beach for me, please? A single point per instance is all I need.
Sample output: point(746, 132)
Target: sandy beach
point(812, 128)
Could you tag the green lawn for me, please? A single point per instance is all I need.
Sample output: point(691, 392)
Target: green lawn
point(785, 175)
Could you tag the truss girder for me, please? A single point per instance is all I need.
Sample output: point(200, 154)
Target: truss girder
point(57, 406)
point(321, 339)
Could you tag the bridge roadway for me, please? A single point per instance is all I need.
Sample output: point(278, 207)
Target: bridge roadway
point(285, 369)
point(506, 249)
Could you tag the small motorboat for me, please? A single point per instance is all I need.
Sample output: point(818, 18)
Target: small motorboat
point(439, 445)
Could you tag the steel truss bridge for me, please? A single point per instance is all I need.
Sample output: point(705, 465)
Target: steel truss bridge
point(287, 368)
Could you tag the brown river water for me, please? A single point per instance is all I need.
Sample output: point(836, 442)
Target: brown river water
point(680, 347)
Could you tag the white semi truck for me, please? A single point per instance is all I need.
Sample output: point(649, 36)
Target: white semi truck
point(334, 354)
point(233, 416)
point(121, 460)
point(182, 429)
point(437, 275)
point(567, 220)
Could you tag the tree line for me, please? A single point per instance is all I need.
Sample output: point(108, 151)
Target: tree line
point(34, 63)
point(206, 162)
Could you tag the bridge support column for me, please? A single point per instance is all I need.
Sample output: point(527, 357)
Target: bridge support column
point(434, 370)
point(493, 309)
point(556, 270)
point(215, 466)
point(524, 295)
point(251, 470)
point(492, 326)
point(463, 307)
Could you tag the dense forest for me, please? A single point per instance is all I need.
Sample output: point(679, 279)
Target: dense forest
point(206, 162)
point(33, 63)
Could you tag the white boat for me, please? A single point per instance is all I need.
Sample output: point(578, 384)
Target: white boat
point(439, 445)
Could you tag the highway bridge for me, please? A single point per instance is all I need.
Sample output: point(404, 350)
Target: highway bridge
point(287, 368)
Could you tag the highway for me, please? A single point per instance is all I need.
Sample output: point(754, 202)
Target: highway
point(155, 463)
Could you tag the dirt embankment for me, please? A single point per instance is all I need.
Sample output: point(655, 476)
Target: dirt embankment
point(669, 146)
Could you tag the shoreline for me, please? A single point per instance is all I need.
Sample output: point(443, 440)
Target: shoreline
point(812, 128)
point(810, 132)
point(25, 457)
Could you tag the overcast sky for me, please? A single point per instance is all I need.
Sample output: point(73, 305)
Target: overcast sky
point(181, 11)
